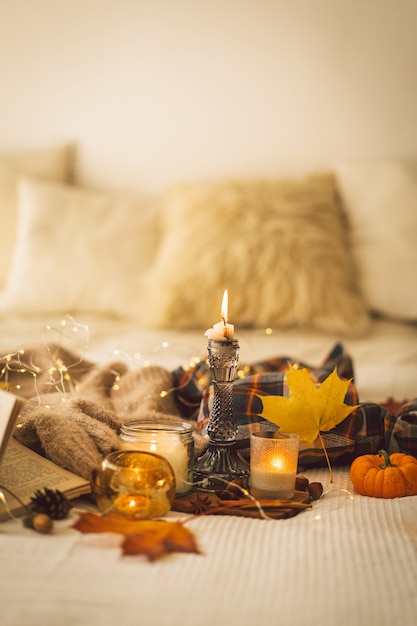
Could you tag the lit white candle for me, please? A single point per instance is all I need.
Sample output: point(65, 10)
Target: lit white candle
point(273, 465)
point(171, 448)
point(222, 331)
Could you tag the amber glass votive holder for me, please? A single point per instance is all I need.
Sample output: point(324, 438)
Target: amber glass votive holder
point(273, 464)
point(137, 485)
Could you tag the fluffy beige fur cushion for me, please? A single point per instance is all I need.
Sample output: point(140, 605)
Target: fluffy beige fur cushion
point(279, 246)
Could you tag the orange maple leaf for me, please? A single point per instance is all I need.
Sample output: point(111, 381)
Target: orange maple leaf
point(152, 538)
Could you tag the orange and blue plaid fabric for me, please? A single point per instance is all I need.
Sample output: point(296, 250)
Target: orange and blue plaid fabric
point(366, 430)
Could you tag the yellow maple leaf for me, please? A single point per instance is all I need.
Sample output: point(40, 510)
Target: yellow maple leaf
point(310, 408)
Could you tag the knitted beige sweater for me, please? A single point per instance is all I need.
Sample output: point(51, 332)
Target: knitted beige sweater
point(74, 409)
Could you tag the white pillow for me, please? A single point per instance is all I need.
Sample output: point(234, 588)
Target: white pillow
point(79, 250)
point(279, 246)
point(54, 163)
point(381, 198)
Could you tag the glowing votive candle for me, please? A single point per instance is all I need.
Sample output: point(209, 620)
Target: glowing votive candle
point(171, 439)
point(273, 464)
point(222, 331)
point(135, 484)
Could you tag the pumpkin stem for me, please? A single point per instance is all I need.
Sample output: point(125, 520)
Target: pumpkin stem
point(387, 462)
point(327, 457)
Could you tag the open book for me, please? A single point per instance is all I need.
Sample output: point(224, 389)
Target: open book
point(23, 471)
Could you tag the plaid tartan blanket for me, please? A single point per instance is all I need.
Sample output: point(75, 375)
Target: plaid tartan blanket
point(366, 430)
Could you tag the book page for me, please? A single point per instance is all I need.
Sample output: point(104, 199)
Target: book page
point(9, 411)
point(23, 471)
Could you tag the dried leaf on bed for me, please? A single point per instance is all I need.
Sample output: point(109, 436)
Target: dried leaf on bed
point(151, 538)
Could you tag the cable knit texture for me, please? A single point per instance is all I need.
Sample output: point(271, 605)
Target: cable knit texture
point(75, 420)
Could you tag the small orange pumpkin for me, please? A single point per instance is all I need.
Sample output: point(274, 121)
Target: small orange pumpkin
point(383, 476)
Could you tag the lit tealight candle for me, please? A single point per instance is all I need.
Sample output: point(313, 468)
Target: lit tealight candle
point(222, 331)
point(135, 484)
point(133, 505)
point(273, 464)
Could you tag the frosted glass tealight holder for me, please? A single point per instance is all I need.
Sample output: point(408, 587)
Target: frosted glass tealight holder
point(273, 464)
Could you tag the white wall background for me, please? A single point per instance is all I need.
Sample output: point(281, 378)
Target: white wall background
point(154, 91)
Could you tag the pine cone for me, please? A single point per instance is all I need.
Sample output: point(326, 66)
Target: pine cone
point(55, 504)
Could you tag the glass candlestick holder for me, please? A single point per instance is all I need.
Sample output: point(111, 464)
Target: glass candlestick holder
point(221, 462)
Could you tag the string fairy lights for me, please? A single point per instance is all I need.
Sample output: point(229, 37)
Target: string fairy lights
point(64, 347)
point(22, 371)
point(192, 369)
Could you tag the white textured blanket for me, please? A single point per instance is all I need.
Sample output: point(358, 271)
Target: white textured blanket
point(347, 562)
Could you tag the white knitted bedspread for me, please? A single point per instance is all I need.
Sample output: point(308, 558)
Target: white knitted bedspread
point(347, 562)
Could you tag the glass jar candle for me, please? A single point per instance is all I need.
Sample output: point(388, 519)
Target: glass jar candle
point(168, 437)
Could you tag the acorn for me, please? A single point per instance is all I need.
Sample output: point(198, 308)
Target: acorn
point(301, 483)
point(53, 503)
point(315, 490)
point(40, 522)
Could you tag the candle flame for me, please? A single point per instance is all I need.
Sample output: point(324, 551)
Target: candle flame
point(277, 463)
point(224, 308)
